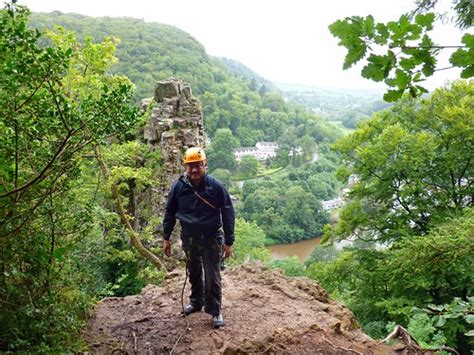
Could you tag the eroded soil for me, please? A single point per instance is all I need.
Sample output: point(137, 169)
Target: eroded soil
point(265, 312)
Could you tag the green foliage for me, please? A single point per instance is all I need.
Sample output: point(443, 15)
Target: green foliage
point(421, 327)
point(133, 170)
point(413, 196)
point(384, 285)
point(413, 163)
point(248, 166)
point(288, 207)
point(224, 176)
point(220, 153)
point(450, 319)
point(55, 100)
point(462, 16)
point(249, 243)
point(456, 309)
point(416, 54)
point(149, 52)
point(125, 161)
point(322, 253)
point(464, 58)
point(122, 270)
point(291, 266)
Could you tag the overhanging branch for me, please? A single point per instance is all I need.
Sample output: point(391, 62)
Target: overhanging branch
point(134, 237)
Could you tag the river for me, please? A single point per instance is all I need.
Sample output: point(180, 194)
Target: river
point(300, 249)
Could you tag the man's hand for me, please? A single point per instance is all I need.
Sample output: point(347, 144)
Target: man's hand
point(167, 247)
point(227, 251)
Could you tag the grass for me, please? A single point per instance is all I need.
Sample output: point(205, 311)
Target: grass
point(261, 173)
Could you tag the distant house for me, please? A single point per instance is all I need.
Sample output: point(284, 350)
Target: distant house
point(261, 151)
point(332, 204)
point(267, 146)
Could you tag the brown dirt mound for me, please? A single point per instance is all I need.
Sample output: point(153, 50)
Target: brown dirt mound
point(265, 312)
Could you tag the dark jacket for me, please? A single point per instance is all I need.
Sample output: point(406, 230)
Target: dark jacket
point(196, 217)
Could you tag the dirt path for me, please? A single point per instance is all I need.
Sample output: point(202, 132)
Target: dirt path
point(265, 312)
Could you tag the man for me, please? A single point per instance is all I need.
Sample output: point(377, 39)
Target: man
point(203, 206)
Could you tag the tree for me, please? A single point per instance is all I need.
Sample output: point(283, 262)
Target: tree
point(428, 272)
point(287, 144)
point(410, 54)
point(304, 212)
point(291, 266)
point(55, 102)
point(220, 153)
point(308, 145)
point(414, 165)
point(249, 243)
point(248, 166)
point(49, 114)
point(224, 176)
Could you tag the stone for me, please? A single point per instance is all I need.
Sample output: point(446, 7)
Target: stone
point(167, 89)
point(175, 124)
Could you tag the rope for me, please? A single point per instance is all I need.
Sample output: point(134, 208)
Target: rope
point(182, 299)
point(182, 307)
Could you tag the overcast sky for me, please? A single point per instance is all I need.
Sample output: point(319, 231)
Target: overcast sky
point(282, 40)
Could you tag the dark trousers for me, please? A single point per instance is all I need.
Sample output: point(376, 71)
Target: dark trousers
point(204, 273)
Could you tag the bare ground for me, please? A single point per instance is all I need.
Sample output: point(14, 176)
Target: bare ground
point(265, 312)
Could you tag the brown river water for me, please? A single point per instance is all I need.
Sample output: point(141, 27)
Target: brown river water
point(300, 249)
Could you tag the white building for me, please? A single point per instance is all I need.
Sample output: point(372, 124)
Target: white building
point(269, 147)
point(330, 205)
point(261, 151)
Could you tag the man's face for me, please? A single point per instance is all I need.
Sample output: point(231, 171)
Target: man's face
point(195, 171)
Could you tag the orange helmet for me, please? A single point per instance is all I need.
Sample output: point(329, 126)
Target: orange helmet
point(194, 154)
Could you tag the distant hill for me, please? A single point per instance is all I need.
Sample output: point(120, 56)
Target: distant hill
point(245, 72)
point(347, 106)
point(148, 52)
point(232, 95)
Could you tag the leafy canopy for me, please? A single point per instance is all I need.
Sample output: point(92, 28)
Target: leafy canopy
point(431, 272)
point(414, 165)
point(56, 99)
point(401, 53)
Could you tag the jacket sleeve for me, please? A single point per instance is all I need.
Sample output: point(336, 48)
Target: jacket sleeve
point(228, 217)
point(171, 208)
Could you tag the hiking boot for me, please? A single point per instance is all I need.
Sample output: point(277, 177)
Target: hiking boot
point(218, 321)
point(191, 308)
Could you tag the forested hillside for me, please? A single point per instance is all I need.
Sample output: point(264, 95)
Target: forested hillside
point(239, 107)
point(149, 52)
point(346, 106)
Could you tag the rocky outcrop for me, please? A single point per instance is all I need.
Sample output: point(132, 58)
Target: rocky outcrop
point(175, 123)
point(265, 313)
